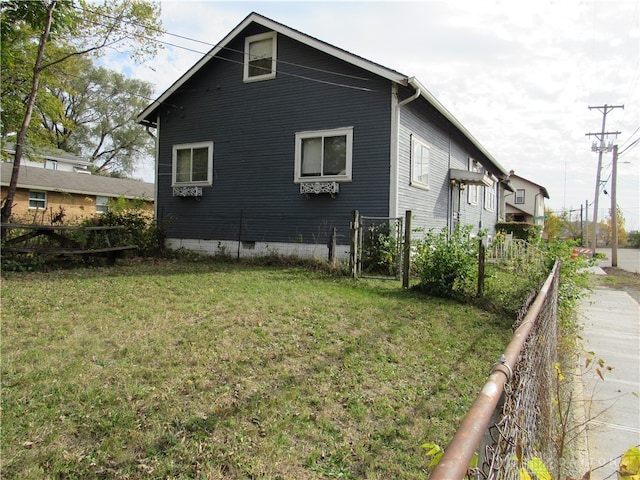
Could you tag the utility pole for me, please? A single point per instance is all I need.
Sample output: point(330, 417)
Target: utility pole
point(605, 109)
point(614, 210)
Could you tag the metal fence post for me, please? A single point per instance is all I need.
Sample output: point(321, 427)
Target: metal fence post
point(406, 265)
point(353, 242)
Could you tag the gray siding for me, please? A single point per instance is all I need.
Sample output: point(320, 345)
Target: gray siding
point(253, 125)
point(434, 208)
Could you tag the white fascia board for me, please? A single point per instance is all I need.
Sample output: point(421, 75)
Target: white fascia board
point(284, 30)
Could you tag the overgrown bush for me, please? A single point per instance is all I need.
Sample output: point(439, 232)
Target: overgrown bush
point(381, 250)
point(574, 278)
point(524, 231)
point(445, 263)
point(139, 230)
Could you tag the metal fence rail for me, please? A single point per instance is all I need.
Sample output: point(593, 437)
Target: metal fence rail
point(512, 416)
point(513, 249)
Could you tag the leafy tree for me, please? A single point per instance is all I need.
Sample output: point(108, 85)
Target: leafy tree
point(604, 230)
point(61, 30)
point(633, 239)
point(97, 118)
point(553, 225)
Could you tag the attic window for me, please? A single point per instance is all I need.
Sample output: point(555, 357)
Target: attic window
point(260, 57)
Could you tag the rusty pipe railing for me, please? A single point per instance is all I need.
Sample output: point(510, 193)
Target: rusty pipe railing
point(454, 464)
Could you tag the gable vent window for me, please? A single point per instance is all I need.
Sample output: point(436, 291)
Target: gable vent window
point(260, 57)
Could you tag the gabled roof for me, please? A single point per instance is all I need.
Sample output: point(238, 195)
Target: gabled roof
point(52, 154)
point(542, 189)
point(78, 183)
point(147, 117)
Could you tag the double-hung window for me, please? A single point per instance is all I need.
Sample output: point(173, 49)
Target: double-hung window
point(37, 199)
point(193, 164)
point(324, 155)
point(102, 204)
point(520, 196)
point(419, 163)
point(260, 57)
point(490, 197)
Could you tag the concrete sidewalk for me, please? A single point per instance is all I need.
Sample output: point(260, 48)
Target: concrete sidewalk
point(611, 329)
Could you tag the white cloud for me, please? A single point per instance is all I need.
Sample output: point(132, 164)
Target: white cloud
point(519, 75)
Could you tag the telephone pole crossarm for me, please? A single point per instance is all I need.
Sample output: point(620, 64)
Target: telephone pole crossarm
point(604, 109)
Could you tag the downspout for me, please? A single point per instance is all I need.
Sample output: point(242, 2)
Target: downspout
point(412, 82)
point(395, 139)
point(156, 162)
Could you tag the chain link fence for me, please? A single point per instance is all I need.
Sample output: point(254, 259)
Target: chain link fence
point(525, 422)
point(512, 419)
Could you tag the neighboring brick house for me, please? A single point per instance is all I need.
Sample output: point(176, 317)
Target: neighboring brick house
point(62, 183)
point(526, 203)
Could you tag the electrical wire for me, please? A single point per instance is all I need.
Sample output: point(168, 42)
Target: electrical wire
point(224, 48)
point(631, 146)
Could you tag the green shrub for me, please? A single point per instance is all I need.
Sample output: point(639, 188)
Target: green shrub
point(446, 263)
point(633, 239)
point(380, 250)
point(139, 230)
point(524, 231)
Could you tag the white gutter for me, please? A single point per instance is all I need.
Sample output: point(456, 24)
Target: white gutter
point(395, 144)
point(413, 82)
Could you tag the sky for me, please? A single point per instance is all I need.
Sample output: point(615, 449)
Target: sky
point(519, 75)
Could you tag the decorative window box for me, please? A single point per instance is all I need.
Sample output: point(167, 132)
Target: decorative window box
point(320, 187)
point(187, 192)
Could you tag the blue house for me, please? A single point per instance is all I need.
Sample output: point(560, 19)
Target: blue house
point(274, 137)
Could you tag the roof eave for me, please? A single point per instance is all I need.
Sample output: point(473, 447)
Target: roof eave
point(429, 97)
point(145, 118)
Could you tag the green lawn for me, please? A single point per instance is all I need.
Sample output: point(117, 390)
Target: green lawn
point(178, 369)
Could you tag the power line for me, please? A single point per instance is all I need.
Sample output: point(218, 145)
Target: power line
point(224, 48)
point(631, 146)
point(630, 137)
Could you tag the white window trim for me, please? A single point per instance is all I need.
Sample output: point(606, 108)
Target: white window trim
point(274, 50)
point(490, 193)
point(38, 200)
point(412, 181)
point(102, 207)
point(183, 146)
point(472, 190)
point(347, 131)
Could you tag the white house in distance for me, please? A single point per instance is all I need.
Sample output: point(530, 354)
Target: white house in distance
point(526, 203)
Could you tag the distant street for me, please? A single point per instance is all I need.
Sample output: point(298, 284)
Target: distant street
point(628, 259)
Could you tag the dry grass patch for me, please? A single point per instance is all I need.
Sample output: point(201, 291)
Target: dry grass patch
point(210, 370)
